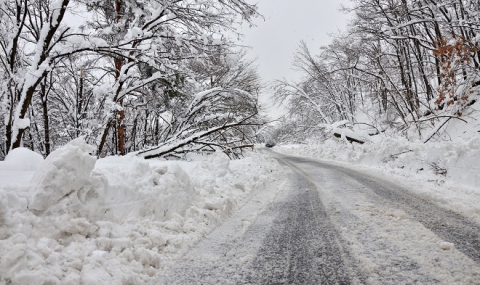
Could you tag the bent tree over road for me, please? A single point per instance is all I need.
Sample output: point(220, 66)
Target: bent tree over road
point(333, 225)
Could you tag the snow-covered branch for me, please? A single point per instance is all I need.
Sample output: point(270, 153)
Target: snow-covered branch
point(220, 118)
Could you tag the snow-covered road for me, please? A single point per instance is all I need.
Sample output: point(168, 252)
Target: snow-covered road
point(333, 225)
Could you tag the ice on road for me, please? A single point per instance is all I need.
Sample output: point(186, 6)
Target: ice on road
point(333, 225)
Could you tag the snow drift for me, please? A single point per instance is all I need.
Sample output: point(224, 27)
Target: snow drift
point(116, 220)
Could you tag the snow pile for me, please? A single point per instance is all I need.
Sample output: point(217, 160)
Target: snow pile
point(21, 159)
point(137, 189)
point(118, 220)
point(64, 173)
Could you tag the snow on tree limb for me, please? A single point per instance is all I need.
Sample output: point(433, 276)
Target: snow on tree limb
point(136, 52)
point(38, 69)
point(216, 119)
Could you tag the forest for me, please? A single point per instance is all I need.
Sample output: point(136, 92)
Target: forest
point(161, 78)
point(401, 65)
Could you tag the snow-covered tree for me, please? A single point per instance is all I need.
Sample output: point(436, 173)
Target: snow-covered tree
point(216, 119)
point(401, 63)
point(115, 74)
point(31, 37)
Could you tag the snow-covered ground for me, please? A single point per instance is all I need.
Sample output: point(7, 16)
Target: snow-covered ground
point(73, 219)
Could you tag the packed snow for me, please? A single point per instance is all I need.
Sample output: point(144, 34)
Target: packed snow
point(73, 219)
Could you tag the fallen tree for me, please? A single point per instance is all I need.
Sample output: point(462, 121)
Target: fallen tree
point(217, 119)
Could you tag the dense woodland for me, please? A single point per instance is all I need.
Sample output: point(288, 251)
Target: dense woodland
point(155, 76)
point(404, 64)
point(162, 78)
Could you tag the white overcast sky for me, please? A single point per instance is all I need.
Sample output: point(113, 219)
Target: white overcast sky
point(275, 38)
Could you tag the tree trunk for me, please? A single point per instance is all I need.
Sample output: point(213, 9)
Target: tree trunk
point(120, 113)
point(27, 91)
point(46, 126)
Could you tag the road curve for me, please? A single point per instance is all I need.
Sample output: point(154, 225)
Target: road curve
point(333, 225)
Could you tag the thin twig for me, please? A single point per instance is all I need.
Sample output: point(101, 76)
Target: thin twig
point(443, 116)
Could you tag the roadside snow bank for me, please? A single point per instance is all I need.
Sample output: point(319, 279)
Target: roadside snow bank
point(117, 220)
point(63, 174)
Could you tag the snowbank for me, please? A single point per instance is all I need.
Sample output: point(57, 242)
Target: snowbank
point(64, 173)
point(117, 220)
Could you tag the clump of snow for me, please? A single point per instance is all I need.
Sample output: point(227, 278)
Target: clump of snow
point(22, 123)
point(116, 220)
point(344, 133)
point(447, 245)
point(21, 159)
point(64, 172)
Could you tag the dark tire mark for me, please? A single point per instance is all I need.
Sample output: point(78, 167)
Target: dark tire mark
point(302, 246)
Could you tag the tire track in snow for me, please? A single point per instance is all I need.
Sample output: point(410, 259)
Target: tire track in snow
point(302, 246)
point(395, 235)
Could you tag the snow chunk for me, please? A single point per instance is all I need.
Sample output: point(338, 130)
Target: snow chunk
point(22, 159)
point(447, 245)
point(218, 164)
point(346, 133)
point(65, 170)
point(22, 123)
